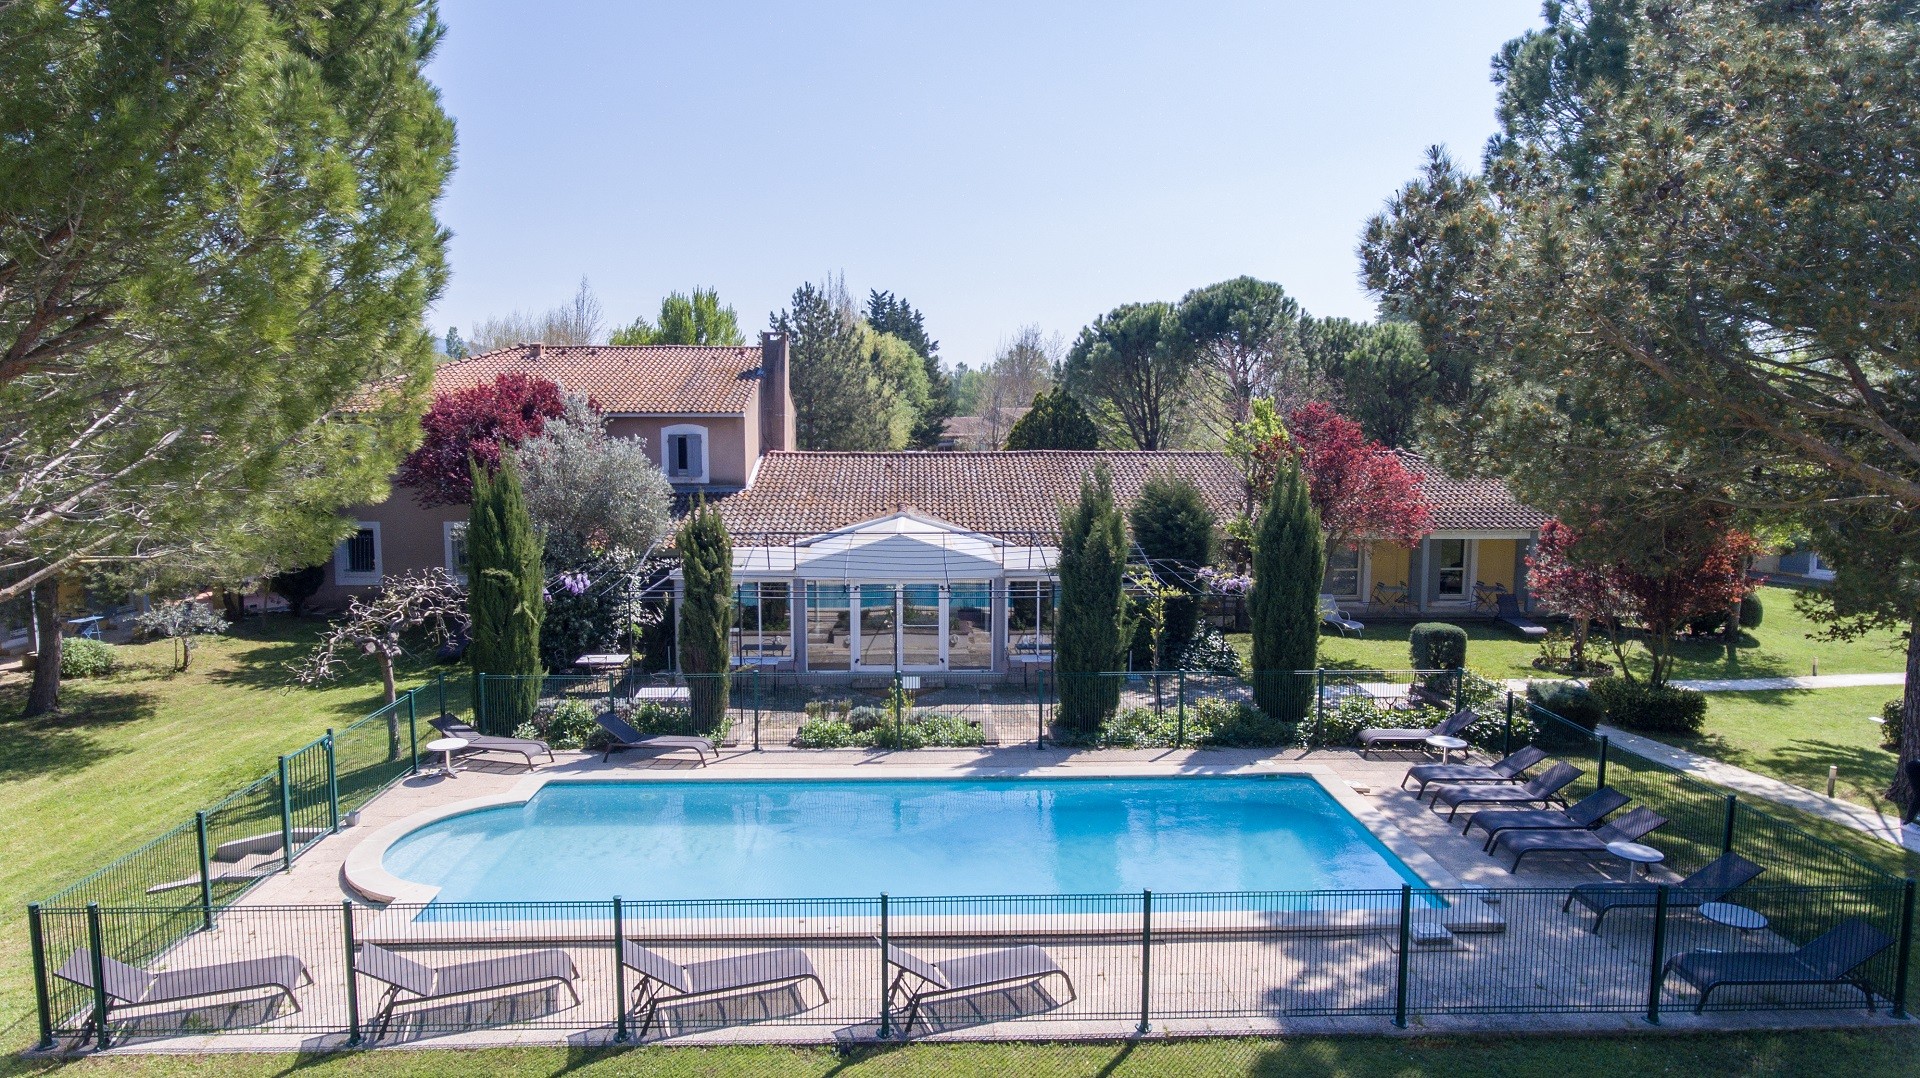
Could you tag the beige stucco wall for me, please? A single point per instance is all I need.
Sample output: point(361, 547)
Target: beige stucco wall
point(1495, 562)
point(732, 443)
point(1390, 563)
point(411, 538)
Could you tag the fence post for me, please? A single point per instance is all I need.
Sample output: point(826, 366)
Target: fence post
point(1406, 956)
point(1903, 959)
point(899, 720)
point(440, 681)
point(1506, 738)
point(1319, 701)
point(1180, 723)
point(1146, 959)
point(42, 1005)
point(413, 735)
point(1459, 689)
point(622, 1032)
point(96, 939)
point(756, 709)
point(1040, 709)
point(353, 980)
point(286, 819)
point(1601, 779)
point(333, 784)
point(886, 996)
point(206, 870)
point(1658, 975)
point(1726, 837)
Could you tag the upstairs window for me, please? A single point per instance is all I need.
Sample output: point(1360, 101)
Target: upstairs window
point(357, 560)
point(684, 453)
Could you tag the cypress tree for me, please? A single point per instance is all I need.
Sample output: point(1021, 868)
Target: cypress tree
point(1289, 560)
point(1174, 527)
point(1092, 636)
point(505, 593)
point(706, 613)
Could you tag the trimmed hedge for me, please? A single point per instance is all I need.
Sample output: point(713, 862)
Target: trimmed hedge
point(1570, 701)
point(1635, 705)
point(1436, 645)
point(83, 656)
point(1890, 725)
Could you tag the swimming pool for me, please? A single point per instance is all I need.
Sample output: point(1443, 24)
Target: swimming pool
point(576, 841)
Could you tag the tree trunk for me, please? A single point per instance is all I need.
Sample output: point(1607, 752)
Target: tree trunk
point(45, 693)
point(393, 713)
point(1900, 792)
point(1731, 634)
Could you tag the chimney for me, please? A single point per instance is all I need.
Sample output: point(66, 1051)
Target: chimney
point(776, 399)
point(533, 352)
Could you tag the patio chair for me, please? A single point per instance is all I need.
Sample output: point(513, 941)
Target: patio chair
point(131, 986)
point(1507, 611)
point(1583, 815)
point(719, 976)
point(1448, 727)
point(1331, 614)
point(1543, 789)
point(425, 983)
point(1397, 598)
point(1509, 769)
point(955, 976)
point(1632, 827)
point(1710, 883)
point(477, 742)
point(1829, 959)
point(626, 737)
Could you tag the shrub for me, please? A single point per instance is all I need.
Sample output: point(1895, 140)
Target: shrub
point(926, 729)
point(1890, 725)
point(1139, 728)
point(1570, 701)
point(657, 718)
point(1636, 705)
point(1237, 724)
point(84, 656)
point(1436, 645)
point(946, 731)
point(824, 709)
point(571, 725)
point(1341, 725)
point(1751, 612)
point(1209, 651)
point(866, 719)
point(825, 734)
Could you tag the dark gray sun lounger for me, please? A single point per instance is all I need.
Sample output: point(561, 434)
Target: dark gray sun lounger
point(1710, 883)
point(524, 747)
point(1830, 959)
point(1448, 727)
point(660, 975)
point(423, 982)
point(1507, 611)
point(1583, 815)
point(1509, 769)
point(1543, 789)
point(626, 737)
point(131, 986)
point(1632, 827)
point(937, 980)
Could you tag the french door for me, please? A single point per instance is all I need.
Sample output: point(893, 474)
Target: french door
point(900, 627)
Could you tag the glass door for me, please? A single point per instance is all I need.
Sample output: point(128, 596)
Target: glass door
point(922, 635)
point(879, 620)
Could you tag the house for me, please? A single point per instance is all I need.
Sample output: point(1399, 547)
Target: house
point(708, 415)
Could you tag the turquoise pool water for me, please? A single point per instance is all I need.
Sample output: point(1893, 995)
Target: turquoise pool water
point(674, 840)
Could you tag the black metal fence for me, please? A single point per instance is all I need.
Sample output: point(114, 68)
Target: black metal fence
point(1115, 963)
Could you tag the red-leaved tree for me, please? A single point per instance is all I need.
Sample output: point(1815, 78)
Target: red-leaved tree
point(477, 423)
point(1362, 489)
point(1700, 569)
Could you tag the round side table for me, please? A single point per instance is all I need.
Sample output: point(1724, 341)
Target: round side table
point(1446, 745)
point(446, 746)
point(1638, 854)
point(1733, 916)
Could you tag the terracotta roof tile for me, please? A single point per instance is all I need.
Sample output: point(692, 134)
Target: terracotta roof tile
point(1471, 504)
point(672, 379)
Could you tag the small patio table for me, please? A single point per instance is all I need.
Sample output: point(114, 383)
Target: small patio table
point(1637, 854)
point(1733, 916)
point(1446, 745)
point(662, 694)
point(447, 746)
point(602, 660)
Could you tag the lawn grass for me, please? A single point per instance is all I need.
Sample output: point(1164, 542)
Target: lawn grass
point(134, 754)
point(1856, 1054)
point(1778, 647)
point(1795, 735)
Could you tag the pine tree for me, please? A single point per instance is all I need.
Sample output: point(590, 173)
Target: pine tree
point(1056, 421)
point(505, 605)
point(706, 613)
point(1289, 560)
point(1092, 636)
point(892, 315)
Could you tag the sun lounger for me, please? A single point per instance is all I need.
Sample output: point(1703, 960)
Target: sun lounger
point(1584, 814)
point(1331, 614)
point(1710, 883)
point(1507, 612)
point(132, 986)
point(1830, 959)
point(524, 747)
point(660, 975)
point(422, 982)
point(1509, 769)
point(955, 976)
point(1632, 827)
point(1543, 789)
point(1448, 727)
point(626, 737)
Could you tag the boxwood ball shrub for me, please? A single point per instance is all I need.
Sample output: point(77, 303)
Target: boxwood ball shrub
point(1636, 705)
point(1436, 645)
point(83, 656)
point(1570, 701)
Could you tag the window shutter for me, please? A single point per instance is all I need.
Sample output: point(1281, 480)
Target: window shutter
point(696, 459)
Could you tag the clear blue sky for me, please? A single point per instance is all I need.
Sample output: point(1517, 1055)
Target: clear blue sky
point(995, 163)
